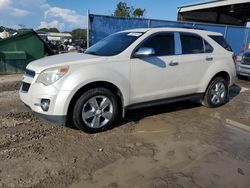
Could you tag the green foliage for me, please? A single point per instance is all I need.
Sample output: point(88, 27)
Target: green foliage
point(79, 34)
point(43, 29)
point(53, 30)
point(122, 10)
point(138, 13)
point(125, 11)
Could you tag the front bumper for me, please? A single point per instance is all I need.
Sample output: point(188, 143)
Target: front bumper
point(243, 69)
point(58, 107)
point(60, 120)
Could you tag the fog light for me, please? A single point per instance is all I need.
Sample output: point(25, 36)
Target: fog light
point(45, 104)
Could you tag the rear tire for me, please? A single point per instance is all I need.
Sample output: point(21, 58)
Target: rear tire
point(96, 110)
point(217, 93)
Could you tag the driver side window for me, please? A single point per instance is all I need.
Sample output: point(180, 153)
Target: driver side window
point(163, 44)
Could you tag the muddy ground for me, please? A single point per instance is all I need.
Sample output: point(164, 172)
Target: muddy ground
point(176, 145)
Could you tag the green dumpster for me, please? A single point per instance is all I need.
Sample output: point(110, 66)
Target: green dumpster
point(17, 51)
point(12, 61)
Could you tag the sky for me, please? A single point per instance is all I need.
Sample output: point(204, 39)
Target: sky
point(67, 15)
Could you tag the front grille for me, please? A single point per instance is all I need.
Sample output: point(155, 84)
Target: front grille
point(244, 67)
point(25, 87)
point(246, 59)
point(30, 73)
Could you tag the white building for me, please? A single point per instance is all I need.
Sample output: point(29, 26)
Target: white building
point(229, 12)
point(59, 37)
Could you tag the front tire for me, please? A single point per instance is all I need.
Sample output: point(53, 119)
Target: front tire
point(96, 110)
point(217, 93)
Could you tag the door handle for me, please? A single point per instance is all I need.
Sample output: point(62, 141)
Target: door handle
point(173, 63)
point(209, 58)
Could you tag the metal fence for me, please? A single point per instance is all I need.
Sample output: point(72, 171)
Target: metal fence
point(101, 26)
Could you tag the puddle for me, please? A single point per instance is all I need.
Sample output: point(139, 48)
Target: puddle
point(154, 125)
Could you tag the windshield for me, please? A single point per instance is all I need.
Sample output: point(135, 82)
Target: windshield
point(113, 44)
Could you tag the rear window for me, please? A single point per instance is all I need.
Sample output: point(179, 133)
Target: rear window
point(221, 41)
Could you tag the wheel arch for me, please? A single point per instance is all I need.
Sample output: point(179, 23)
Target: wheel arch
point(105, 84)
point(207, 100)
point(223, 74)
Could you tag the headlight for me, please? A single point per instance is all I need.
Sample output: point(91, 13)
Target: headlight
point(50, 76)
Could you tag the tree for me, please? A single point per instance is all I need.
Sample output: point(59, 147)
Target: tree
point(122, 10)
point(54, 30)
point(125, 11)
point(138, 12)
point(79, 34)
point(43, 29)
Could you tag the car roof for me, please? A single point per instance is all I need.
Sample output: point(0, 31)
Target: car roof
point(177, 29)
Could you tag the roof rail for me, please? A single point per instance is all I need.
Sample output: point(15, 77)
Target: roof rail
point(184, 26)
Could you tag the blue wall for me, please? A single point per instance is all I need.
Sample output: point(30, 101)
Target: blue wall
point(102, 26)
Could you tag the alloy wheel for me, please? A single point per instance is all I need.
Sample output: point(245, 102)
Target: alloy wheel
point(97, 111)
point(218, 93)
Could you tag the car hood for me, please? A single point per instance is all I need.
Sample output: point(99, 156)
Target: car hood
point(63, 60)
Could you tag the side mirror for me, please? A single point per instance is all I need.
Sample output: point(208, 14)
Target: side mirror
point(144, 52)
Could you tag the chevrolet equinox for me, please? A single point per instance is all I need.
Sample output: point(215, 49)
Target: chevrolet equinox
point(127, 70)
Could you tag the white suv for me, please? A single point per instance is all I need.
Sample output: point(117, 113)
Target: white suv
point(128, 70)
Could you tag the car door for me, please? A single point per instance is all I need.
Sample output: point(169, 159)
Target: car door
point(194, 61)
point(154, 77)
